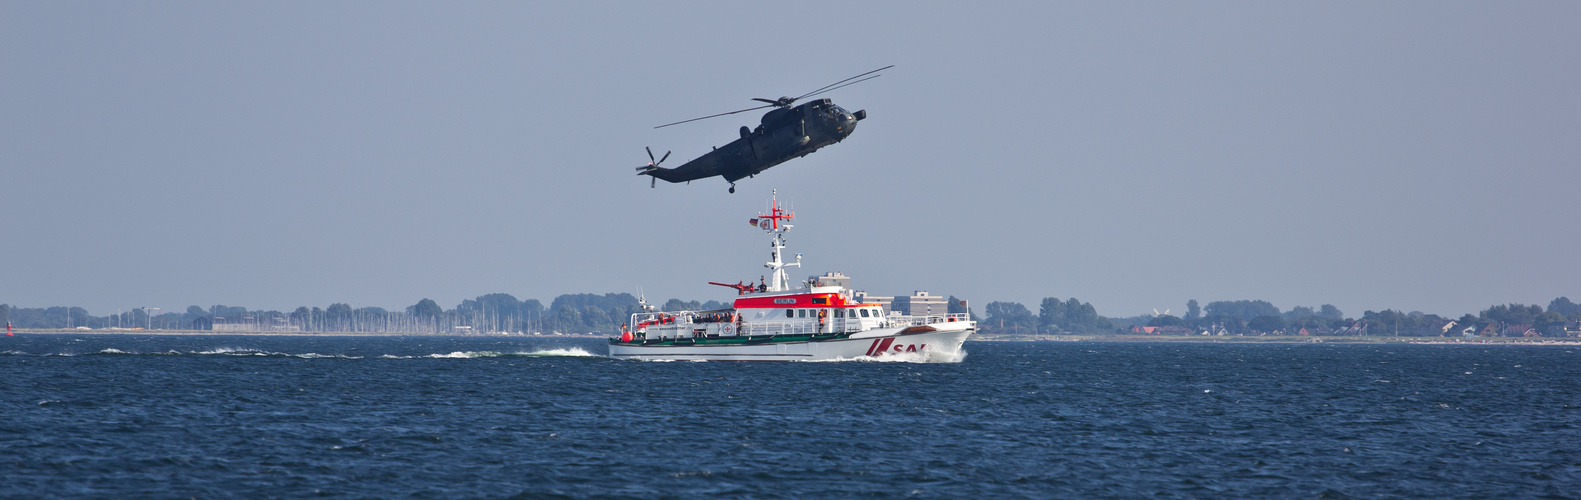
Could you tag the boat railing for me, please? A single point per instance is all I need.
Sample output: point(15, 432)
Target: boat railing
point(905, 321)
point(683, 317)
point(776, 328)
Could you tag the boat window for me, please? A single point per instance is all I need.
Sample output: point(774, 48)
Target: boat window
point(790, 313)
point(801, 313)
point(839, 313)
point(864, 313)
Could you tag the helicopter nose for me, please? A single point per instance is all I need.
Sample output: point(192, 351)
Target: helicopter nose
point(848, 122)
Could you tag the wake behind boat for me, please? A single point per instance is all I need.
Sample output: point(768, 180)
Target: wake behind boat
point(774, 322)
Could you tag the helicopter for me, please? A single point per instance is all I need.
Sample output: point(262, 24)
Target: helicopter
point(790, 131)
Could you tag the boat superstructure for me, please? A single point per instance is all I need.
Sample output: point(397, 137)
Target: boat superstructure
point(776, 320)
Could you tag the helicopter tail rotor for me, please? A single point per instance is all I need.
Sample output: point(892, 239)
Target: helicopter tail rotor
point(653, 167)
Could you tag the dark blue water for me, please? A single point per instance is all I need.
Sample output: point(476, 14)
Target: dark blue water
point(119, 416)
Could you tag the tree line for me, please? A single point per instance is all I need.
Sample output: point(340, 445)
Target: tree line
point(1054, 316)
point(1259, 317)
point(595, 313)
point(495, 312)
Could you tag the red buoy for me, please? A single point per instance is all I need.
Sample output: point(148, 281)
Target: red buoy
point(625, 336)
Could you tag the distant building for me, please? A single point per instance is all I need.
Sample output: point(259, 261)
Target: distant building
point(1161, 330)
point(921, 303)
point(1492, 330)
point(865, 298)
point(832, 278)
point(1520, 331)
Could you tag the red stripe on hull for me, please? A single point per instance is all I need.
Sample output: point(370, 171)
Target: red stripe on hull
point(880, 345)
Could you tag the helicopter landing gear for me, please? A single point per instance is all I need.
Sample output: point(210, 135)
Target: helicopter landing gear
point(732, 188)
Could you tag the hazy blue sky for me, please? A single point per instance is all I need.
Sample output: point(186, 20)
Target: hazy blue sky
point(1409, 155)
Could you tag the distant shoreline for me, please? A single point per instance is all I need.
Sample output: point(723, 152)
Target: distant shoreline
point(300, 334)
point(1282, 339)
point(980, 337)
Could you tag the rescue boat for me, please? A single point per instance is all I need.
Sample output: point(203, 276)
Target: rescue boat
point(776, 320)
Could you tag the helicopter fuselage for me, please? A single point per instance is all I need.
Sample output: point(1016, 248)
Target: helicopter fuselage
point(782, 134)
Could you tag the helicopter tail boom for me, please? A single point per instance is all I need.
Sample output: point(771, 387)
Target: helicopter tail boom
point(655, 171)
point(661, 173)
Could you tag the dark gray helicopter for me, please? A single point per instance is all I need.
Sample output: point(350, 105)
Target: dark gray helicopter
point(784, 133)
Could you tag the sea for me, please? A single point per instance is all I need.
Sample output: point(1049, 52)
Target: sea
point(137, 416)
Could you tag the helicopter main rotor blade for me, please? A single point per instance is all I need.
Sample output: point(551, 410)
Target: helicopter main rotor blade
point(831, 86)
point(785, 102)
point(842, 86)
point(712, 116)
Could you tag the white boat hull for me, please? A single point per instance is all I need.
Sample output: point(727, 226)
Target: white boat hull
point(942, 344)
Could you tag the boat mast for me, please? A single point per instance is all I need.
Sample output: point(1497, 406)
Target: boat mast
point(779, 281)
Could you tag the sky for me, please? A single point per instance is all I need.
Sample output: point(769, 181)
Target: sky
point(1417, 156)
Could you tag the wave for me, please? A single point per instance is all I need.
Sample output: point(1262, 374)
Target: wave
point(575, 352)
point(563, 352)
point(102, 352)
point(223, 351)
point(466, 355)
point(314, 355)
point(231, 351)
point(902, 357)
